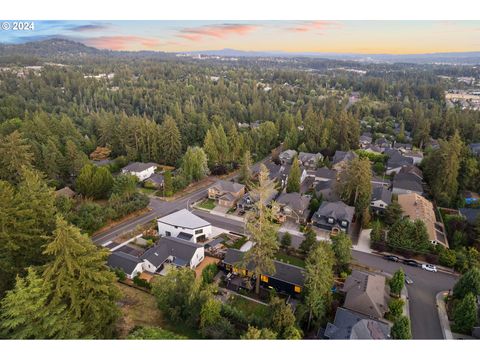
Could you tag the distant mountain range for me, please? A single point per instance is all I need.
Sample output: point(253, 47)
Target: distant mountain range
point(63, 48)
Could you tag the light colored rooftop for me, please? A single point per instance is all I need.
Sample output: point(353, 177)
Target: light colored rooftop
point(184, 218)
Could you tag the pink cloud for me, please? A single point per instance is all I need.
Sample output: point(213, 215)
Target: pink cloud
point(122, 42)
point(315, 25)
point(217, 31)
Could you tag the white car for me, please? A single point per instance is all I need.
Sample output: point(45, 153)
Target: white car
point(429, 267)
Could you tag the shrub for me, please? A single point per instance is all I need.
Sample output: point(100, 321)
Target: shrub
point(395, 309)
point(465, 314)
point(208, 273)
point(141, 282)
point(120, 274)
point(401, 329)
point(447, 258)
point(397, 282)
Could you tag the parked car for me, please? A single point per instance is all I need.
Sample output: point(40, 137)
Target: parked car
point(411, 262)
point(429, 267)
point(391, 258)
point(408, 280)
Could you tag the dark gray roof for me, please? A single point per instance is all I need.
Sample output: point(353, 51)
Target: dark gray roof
point(407, 182)
point(123, 261)
point(155, 178)
point(295, 201)
point(327, 190)
point(382, 141)
point(398, 145)
point(170, 246)
point(284, 272)
point(470, 214)
point(343, 156)
point(183, 218)
point(228, 186)
point(381, 193)
point(306, 157)
point(350, 325)
point(475, 148)
point(411, 169)
point(396, 160)
point(324, 172)
point(138, 166)
point(337, 210)
point(366, 138)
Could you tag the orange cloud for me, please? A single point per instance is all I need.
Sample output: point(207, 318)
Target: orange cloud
point(217, 31)
point(314, 25)
point(120, 42)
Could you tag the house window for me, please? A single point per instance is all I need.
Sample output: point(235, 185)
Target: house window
point(168, 233)
point(199, 231)
point(344, 223)
point(330, 220)
point(297, 289)
point(264, 278)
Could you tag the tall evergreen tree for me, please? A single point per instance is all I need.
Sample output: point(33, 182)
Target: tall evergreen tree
point(245, 173)
point(293, 183)
point(15, 154)
point(170, 142)
point(355, 184)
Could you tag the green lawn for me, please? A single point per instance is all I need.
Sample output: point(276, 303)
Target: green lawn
point(289, 259)
point(237, 244)
point(248, 307)
point(208, 204)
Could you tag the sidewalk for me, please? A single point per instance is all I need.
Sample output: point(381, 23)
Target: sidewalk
point(363, 243)
point(442, 315)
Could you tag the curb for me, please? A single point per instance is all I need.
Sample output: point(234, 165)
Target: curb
point(442, 315)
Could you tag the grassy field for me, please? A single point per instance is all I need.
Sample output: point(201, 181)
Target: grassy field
point(289, 259)
point(237, 244)
point(248, 307)
point(140, 309)
point(208, 204)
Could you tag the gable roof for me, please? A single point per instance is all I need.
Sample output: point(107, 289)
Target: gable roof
point(340, 156)
point(337, 210)
point(228, 186)
point(396, 160)
point(155, 178)
point(295, 201)
point(305, 157)
point(365, 293)
point(350, 325)
point(170, 246)
point(323, 172)
point(407, 181)
point(290, 154)
point(123, 261)
point(411, 169)
point(284, 272)
point(184, 218)
point(381, 193)
point(138, 166)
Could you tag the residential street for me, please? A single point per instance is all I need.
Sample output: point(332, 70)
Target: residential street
point(425, 322)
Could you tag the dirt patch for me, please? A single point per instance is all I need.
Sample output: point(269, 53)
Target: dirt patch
point(138, 309)
point(207, 261)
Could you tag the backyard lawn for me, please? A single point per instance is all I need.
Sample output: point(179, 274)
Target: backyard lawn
point(289, 259)
point(249, 307)
point(235, 244)
point(140, 309)
point(208, 204)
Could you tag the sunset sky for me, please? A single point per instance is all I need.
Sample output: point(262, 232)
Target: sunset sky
point(368, 37)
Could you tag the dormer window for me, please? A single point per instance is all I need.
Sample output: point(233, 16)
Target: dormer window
point(344, 223)
point(330, 220)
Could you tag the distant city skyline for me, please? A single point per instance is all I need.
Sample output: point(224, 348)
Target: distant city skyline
point(360, 37)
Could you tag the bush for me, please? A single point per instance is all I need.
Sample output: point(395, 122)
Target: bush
point(397, 282)
point(90, 217)
point(395, 309)
point(401, 329)
point(141, 282)
point(208, 273)
point(447, 258)
point(465, 314)
point(120, 274)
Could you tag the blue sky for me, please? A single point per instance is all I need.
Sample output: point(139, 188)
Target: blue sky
point(394, 37)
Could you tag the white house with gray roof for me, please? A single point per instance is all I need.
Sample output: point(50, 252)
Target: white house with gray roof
point(184, 225)
point(381, 198)
point(141, 170)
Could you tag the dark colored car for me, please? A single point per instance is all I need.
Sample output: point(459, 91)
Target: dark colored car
point(391, 258)
point(411, 262)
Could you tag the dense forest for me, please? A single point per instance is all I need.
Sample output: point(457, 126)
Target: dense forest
point(60, 101)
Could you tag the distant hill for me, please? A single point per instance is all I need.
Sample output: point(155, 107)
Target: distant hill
point(49, 48)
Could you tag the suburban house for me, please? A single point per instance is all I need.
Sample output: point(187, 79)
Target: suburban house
point(365, 294)
point(129, 264)
point(141, 170)
point(396, 161)
point(309, 160)
point(402, 146)
point(379, 181)
point(365, 139)
point(293, 206)
point(381, 198)
point(341, 159)
point(350, 325)
point(322, 174)
point(226, 193)
point(171, 251)
point(66, 192)
point(333, 216)
point(184, 225)
point(374, 149)
point(326, 190)
point(277, 172)
point(287, 156)
point(155, 181)
point(407, 183)
point(248, 201)
point(416, 156)
point(286, 278)
point(412, 169)
point(416, 207)
point(383, 143)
